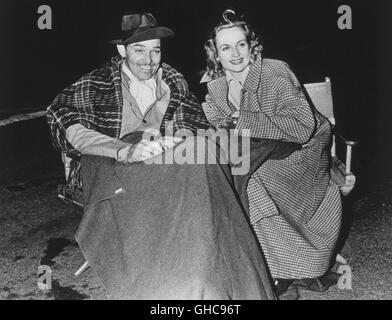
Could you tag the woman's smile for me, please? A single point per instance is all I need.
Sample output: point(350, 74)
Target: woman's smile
point(237, 61)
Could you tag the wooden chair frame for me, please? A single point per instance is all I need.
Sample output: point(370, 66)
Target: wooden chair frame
point(320, 93)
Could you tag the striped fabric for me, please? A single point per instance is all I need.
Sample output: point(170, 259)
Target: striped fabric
point(96, 102)
point(295, 209)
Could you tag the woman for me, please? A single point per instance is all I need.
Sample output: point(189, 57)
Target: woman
point(294, 208)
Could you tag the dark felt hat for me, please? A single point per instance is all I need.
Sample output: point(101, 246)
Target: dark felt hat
point(141, 27)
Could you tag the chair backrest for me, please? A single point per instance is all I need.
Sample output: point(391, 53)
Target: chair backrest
point(321, 95)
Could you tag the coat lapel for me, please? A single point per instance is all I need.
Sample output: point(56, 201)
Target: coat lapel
point(220, 88)
point(251, 86)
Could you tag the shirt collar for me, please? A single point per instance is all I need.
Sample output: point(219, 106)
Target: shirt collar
point(242, 76)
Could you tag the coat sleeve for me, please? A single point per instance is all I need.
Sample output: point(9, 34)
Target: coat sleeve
point(88, 141)
point(293, 119)
point(214, 115)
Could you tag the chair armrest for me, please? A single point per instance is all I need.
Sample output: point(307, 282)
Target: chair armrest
point(346, 141)
point(345, 181)
point(349, 144)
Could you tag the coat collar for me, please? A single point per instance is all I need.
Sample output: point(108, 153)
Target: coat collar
point(252, 81)
point(242, 76)
point(220, 88)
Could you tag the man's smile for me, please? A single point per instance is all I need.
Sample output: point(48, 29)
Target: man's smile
point(146, 67)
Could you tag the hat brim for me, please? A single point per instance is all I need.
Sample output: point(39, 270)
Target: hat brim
point(148, 34)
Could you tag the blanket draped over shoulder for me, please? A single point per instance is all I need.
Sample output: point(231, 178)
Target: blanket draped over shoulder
point(96, 102)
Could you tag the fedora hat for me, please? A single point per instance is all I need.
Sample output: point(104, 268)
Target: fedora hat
point(141, 27)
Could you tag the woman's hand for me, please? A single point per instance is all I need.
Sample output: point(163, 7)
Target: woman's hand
point(235, 115)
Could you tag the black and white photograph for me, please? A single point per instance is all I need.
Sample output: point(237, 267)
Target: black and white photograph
point(169, 150)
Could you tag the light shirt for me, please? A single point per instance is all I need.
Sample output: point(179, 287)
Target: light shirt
point(89, 141)
point(144, 91)
point(235, 86)
point(132, 117)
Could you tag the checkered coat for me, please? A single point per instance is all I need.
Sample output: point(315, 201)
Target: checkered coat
point(294, 207)
point(96, 102)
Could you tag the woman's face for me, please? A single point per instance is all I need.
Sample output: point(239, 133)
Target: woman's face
point(233, 49)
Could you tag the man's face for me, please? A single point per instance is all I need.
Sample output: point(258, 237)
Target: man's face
point(143, 58)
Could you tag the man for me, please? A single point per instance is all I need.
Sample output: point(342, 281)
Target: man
point(133, 92)
point(153, 231)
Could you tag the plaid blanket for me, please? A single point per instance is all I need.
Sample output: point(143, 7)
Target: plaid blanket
point(96, 102)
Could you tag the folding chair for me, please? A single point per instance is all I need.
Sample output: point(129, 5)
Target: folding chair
point(320, 94)
point(71, 191)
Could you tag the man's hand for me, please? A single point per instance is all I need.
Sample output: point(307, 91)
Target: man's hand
point(168, 142)
point(143, 150)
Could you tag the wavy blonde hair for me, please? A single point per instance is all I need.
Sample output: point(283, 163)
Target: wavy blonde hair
point(230, 20)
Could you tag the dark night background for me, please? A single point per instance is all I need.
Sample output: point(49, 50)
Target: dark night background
point(36, 64)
